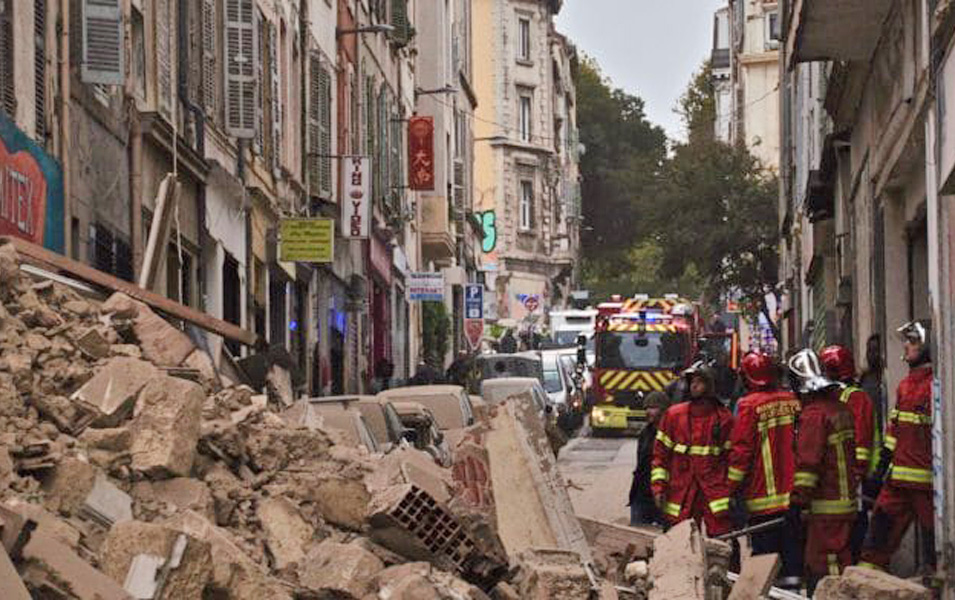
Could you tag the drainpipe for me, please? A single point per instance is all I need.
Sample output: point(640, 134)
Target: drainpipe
point(136, 191)
point(68, 249)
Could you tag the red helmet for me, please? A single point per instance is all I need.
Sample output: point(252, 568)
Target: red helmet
point(838, 363)
point(759, 369)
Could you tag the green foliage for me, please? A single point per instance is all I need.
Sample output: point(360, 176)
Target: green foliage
point(437, 329)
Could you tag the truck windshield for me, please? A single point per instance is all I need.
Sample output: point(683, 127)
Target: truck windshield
point(633, 350)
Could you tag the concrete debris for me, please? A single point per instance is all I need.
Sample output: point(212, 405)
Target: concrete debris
point(678, 568)
point(166, 427)
point(52, 570)
point(68, 485)
point(169, 496)
point(340, 570)
point(160, 342)
point(93, 343)
point(11, 586)
point(106, 504)
point(112, 391)
point(756, 577)
point(552, 575)
point(859, 582)
point(287, 534)
point(279, 386)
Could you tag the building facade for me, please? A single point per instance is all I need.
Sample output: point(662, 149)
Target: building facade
point(526, 155)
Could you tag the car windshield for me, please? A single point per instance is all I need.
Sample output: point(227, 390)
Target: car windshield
point(635, 350)
point(552, 382)
point(569, 338)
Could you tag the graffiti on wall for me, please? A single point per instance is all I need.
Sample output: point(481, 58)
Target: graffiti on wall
point(489, 227)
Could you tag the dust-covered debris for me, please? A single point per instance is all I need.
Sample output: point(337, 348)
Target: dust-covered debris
point(859, 582)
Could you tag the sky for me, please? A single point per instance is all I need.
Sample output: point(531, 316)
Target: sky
point(650, 48)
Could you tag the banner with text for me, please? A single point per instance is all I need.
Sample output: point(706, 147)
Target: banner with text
point(421, 153)
point(356, 204)
point(427, 287)
point(307, 240)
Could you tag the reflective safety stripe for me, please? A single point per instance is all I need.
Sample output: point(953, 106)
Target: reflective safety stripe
point(776, 422)
point(863, 453)
point(664, 439)
point(698, 450)
point(659, 474)
point(911, 474)
point(848, 391)
point(891, 442)
point(913, 418)
point(736, 474)
point(768, 502)
point(833, 563)
point(868, 565)
point(833, 507)
point(843, 471)
point(719, 505)
point(840, 436)
point(767, 453)
point(805, 479)
point(671, 509)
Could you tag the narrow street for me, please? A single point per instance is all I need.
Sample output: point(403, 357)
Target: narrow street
point(598, 473)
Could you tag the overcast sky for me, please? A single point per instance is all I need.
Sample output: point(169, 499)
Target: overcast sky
point(648, 47)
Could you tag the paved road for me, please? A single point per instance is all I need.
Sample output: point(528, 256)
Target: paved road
point(598, 472)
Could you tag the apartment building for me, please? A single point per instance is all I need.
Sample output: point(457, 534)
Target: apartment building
point(526, 155)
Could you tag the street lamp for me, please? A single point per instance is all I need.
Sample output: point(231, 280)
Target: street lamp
point(382, 28)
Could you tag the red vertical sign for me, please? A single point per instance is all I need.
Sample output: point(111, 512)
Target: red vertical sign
point(421, 153)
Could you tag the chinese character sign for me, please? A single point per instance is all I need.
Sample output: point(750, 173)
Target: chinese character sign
point(421, 153)
point(356, 204)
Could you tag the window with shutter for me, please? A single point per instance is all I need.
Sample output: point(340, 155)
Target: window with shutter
point(399, 20)
point(240, 93)
point(370, 137)
point(276, 102)
point(259, 140)
point(314, 119)
point(396, 169)
point(210, 75)
point(39, 67)
point(193, 64)
point(383, 144)
point(102, 42)
point(163, 55)
point(325, 128)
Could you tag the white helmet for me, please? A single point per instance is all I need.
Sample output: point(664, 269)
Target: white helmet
point(918, 332)
point(806, 374)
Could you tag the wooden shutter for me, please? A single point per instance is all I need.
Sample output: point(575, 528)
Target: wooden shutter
point(399, 20)
point(8, 96)
point(240, 93)
point(194, 55)
point(276, 103)
point(210, 75)
point(325, 130)
point(314, 118)
point(102, 42)
point(163, 55)
point(259, 143)
point(39, 67)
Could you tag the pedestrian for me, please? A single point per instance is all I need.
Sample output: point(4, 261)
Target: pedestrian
point(871, 379)
point(762, 462)
point(508, 342)
point(689, 456)
point(905, 465)
point(824, 484)
point(459, 369)
point(643, 510)
point(839, 365)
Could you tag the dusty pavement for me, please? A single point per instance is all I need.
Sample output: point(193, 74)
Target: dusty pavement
point(598, 473)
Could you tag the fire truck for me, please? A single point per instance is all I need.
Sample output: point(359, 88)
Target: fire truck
point(642, 344)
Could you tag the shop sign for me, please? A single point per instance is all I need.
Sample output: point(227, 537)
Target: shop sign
point(427, 287)
point(356, 204)
point(421, 153)
point(474, 301)
point(400, 260)
point(31, 190)
point(380, 259)
point(474, 331)
point(307, 240)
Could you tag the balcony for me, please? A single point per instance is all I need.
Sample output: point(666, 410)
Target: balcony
point(835, 29)
point(437, 237)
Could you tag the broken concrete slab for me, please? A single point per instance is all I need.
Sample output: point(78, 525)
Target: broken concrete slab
point(756, 577)
point(181, 493)
point(106, 504)
point(859, 582)
point(68, 485)
point(112, 391)
point(160, 342)
point(552, 575)
point(287, 534)
point(92, 343)
point(11, 586)
point(678, 568)
point(51, 569)
point(166, 427)
point(279, 386)
point(342, 570)
point(68, 416)
point(341, 501)
point(45, 520)
point(183, 563)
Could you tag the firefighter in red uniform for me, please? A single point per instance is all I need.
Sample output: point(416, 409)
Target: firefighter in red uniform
point(689, 457)
point(840, 366)
point(762, 461)
point(905, 466)
point(824, 485)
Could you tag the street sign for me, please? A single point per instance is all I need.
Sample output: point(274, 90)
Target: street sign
point(474, 331)
point(307, 240)
point(532, 303)
point(474, 301)
point(356, 205)
point(427, 287)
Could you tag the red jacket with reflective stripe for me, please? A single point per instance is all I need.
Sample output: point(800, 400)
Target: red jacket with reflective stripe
point(691, 446)
point(762, 461)
point(825, 479)
point(909, 432)
point(863, 415)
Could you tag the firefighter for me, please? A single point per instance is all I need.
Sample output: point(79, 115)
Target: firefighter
point(762, 461)
point(824, 484)
point(689, 457)
point(905, 467)
point(839, 365)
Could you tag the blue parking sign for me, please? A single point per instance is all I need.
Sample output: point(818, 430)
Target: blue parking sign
point(474, 301)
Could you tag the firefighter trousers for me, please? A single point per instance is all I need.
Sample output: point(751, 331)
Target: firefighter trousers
point(696, 507)
point(828, 545)
point(894, 511)
point(782, 541)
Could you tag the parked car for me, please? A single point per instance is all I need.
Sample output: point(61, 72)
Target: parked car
point(497, 366)
point(381, 418)
point(450, 403)
point(334, 415)
point(422, 430)
point(496, 391)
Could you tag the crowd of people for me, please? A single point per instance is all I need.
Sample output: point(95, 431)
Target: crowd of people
point(801, 460)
